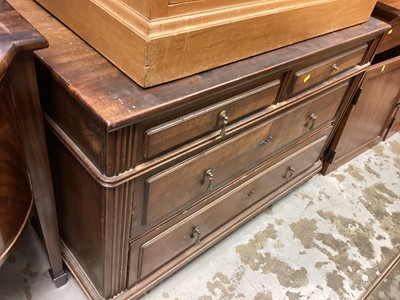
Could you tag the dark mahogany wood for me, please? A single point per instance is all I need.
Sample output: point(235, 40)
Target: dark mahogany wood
point(109, 101)
point(374, 117)
point(394, 121)
point(320, 72)
point(366, 122)
point(157, 251)
point(389, 11)
point(198, 123)
point(231, 158)
point(25, 134)
point(15, 190)
point(121, 155)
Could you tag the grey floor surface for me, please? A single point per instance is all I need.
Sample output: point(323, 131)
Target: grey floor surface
point(328, 239)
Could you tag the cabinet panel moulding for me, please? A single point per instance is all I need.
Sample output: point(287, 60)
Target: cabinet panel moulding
point(158, 42)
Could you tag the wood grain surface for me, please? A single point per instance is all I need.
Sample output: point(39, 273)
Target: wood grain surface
point(115, 100)
point(16, 35)
point(165, 44)
point(23, 147)
point(15, 189)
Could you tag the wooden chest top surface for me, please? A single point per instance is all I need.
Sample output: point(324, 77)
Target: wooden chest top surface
point(392, 3)
point(117, 101)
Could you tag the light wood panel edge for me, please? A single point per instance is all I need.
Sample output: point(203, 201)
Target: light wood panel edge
point(162, 50)
point(118, 42)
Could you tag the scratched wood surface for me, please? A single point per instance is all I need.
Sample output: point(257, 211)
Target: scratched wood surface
point(15, 35)
point(115, 100)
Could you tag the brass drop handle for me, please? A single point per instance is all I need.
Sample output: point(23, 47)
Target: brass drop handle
point(289, 173)
point(209, 176)
point(223, 118)
point(196, 235)
point(335, 67)
point(266, 140)
point(313, 118)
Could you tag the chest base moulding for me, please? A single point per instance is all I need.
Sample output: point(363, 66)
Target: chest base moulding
point(162, 40)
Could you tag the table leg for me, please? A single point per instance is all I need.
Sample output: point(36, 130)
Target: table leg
point(30, 121)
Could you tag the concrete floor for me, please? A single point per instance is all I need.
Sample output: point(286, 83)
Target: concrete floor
point(328, 239)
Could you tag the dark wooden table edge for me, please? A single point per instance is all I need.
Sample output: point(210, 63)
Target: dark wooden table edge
point(17, 62)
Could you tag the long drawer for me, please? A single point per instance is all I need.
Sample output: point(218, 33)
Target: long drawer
point(176, 187)
point(191, 231)
point(215, 117)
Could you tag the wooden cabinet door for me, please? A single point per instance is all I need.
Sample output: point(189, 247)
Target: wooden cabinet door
point(394, 122)
point(369, 116)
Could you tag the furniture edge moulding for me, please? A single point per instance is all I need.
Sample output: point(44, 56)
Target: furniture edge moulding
point(157, 51)
point(146, 283)
point(156, 278)
point(109, 135)
point(95, 232)
point(128, 137)
point(115, 112)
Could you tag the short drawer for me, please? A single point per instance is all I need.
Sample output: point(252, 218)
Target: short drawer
point(391, 39)
point(189, 181)
point(319, 72)
point(215, 117)
point(389, 12)
point(157, 251)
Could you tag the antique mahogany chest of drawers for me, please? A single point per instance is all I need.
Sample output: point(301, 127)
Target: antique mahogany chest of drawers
point(156, 41)
point(146, 179)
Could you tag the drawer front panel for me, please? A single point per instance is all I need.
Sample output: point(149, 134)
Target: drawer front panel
point(317, 73)
point(216, 117)
point(190, 231)
point(195, 178)
point(391, 38)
